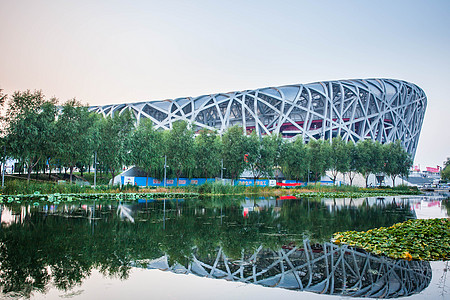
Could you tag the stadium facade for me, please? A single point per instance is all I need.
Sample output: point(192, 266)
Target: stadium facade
point(384, 110)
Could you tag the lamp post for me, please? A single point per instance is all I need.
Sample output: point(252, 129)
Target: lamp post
point(3, 166)
point(221, 172)
point(95, 169)
point(165, 172)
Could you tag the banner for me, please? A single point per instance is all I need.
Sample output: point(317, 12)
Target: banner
point(433, 170)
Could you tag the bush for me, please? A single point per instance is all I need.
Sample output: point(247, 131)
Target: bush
point(13, 187)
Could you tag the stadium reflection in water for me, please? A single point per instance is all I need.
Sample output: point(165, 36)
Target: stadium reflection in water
point(268, 242)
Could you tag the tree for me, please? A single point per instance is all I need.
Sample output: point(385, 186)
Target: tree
point(445, 173)
point(252, 156)
point(208, 153)
point(319, 152)
point(114, 134)
point(147, 147)
point(30, 127)
point(180, 148)
point(397, 161)
point(3, 98)
point(271, 147)
point(350, 148)
point(74, 132)
point(262, 154)
point(295, 161)
point(339, 157)
point(233, 142)
point(369, 158)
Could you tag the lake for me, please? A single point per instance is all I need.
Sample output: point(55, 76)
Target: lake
point(222, 248)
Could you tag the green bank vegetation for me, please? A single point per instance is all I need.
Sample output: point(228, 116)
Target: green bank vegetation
point(21, 187)
point(413, 239)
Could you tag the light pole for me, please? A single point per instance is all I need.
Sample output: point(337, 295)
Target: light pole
point(3, 166)
point(95, 168)
point(221, 172)
point(3, 174)
point(165, 173)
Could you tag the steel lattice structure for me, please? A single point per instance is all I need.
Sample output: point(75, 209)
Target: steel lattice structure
point(325, 269)
point(384, 110)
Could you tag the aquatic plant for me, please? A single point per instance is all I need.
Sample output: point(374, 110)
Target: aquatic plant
point(57, 198)
point(413, 239)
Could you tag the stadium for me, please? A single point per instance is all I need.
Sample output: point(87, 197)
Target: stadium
point(384, 110)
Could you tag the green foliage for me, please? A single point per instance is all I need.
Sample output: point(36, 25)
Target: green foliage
point(85, 193)
point(353, 160)
point(114, 134)
point(339, 157)
point(319, 153)
point(180, 148)
point(369, 158)
point(30, 127)
point(397, 160)
point(262, 154)
point(270, 154)
point(207, 153)
point(147, 148)
point(75, 135)
point(15, 187)
point(234, 149)
point(414, 239)
point(295, 160)
point(445, 173)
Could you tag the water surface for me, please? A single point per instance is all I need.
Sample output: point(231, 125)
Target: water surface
point(260, 247)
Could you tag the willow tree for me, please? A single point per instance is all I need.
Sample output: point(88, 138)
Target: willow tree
point(369, 158)
point(114, 134)
point(147, 147)
point(30, 129)
point(234, 150)
point(295, 161)
point(207, 153)
point(352, 152)
point(75, 135)
point(319, 152)
point(180, 148)
point(339, 157)
point(397, 161)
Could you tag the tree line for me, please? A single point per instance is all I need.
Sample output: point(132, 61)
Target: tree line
point(40, 134)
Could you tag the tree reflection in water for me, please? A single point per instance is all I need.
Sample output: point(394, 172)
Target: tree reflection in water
point(249, 240)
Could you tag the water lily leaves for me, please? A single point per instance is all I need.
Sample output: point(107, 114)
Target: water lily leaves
point(57, 198)
point(413, 239)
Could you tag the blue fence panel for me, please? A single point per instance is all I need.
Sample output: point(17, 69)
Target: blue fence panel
point(262, 182)
point(247, 182)
point(140, 181)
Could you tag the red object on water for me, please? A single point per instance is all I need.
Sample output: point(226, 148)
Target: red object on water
point(287, 197)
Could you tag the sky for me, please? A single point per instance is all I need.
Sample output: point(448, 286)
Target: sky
point(105, 52)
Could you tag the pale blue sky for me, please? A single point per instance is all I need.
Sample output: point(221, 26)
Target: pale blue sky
point(105, 52)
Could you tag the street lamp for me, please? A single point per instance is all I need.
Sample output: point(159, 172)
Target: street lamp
point(165, 172)
point(221, 172)
point(95, 169)
point(3, 166)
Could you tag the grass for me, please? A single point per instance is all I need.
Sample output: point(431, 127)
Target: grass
point(413, 239)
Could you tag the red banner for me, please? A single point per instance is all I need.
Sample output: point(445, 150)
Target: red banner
point(433, 170)
point(289, 184)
